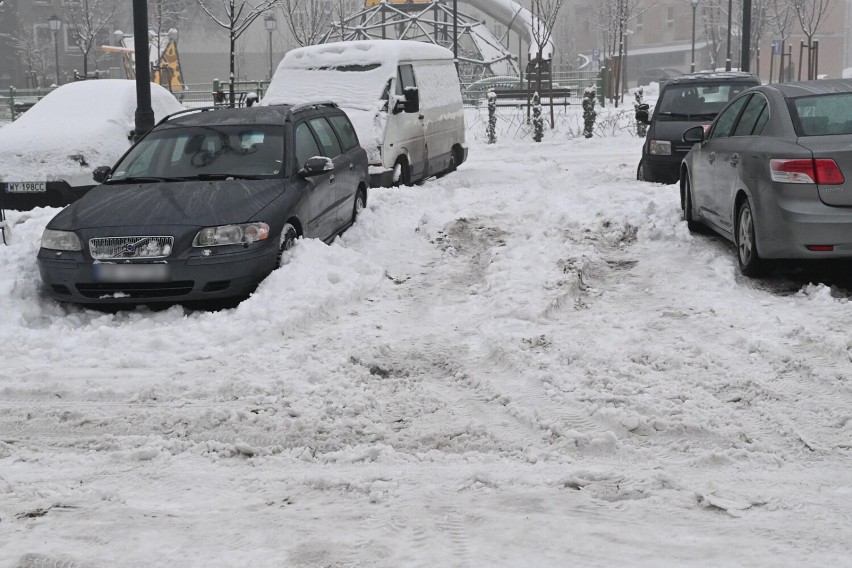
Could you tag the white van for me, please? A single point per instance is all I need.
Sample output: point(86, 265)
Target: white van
point(403, 98)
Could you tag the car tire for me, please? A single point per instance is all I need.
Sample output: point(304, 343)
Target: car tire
point(288, 239)
point(640, 172)
point(401, 172)
point(748, 259)
point(691, 224)
point(360, 203)
point(452, 166)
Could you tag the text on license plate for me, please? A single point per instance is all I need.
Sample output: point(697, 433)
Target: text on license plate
point(25, 187)
point(130, 272)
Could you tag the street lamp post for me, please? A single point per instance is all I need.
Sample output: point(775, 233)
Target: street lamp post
point(271, 23)
point(730, 14)
point(694, 8)
point(55, 25)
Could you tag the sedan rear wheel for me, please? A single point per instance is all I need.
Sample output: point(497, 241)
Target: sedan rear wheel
point(749, 260)
point(288, 239)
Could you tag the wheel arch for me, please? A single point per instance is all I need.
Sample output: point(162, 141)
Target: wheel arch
point(296, 225)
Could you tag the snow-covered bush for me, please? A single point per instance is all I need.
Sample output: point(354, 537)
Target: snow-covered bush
point(538, 120)
point(589, 114)
point(491, 131)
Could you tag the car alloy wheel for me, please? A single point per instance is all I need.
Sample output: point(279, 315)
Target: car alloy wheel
point(360, 203)
point(749, 260)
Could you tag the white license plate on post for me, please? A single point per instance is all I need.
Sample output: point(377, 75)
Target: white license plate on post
point(130, 272)
point(25, 187)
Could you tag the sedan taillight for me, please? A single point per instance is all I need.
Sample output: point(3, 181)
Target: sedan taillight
point(823, 171)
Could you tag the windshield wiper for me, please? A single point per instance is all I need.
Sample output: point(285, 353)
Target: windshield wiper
point(208, 177)
point(674, 114)
point(141, 179)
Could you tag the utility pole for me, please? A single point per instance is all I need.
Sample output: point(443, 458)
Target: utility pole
point(144, 112)
point(745, 63)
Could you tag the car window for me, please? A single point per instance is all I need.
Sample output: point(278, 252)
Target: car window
point(753, 112)
point(306, 145)
point(405, 79)
point(725, 122)
point(192, 152)
point(327, 138)
point(823, 115)
point(697, 100)
point(344, 131)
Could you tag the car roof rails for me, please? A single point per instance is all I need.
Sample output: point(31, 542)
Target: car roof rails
point(185, 111)
point(305, 106)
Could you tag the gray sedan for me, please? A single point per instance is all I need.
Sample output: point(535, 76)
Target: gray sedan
point(768, 173)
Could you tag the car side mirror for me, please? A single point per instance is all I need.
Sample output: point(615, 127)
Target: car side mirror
point(642, 114)
point(316, 166)
point(101, 173)
point(694, 135)
point(412, 99)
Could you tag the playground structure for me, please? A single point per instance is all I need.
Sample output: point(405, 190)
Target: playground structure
point(165, 60)
point(480, 53)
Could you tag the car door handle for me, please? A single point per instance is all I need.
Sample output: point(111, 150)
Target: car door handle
point(735, 159)
point(331, 179)
point(712, 157)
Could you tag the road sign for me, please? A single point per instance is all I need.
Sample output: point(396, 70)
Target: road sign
point(596, 55)
point(776, 46)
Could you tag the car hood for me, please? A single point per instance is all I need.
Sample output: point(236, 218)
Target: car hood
point(195, 203)
point(673, 129)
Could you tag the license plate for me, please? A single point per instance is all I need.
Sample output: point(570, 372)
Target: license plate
point(25, 187)
point(130, 272)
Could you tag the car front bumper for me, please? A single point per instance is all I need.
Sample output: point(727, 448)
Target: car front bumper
point(662, 169)
point(69, 277)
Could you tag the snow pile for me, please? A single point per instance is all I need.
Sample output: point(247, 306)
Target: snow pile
point(89, 119)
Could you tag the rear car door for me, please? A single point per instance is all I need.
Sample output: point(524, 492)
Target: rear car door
point(320, 195)
point(354, 164)
point(340, 178)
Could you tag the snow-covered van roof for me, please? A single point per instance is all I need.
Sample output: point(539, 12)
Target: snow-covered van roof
point(376, 51)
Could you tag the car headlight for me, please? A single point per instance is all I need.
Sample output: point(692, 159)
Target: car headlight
point(60, 240)
point(661, 147)
point(231, 235)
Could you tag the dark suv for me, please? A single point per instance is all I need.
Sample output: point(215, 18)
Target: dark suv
point(684, 102)
point(206, 205)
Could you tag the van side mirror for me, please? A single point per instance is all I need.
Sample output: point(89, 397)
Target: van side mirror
point(694, 135)
point(412, 99)
point(101, 173)
point(642, 113)
point(316, 166)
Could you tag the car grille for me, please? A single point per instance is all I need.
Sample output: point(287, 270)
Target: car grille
point(137, 290)
point(130, 247)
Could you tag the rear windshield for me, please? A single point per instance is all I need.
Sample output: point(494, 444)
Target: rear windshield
point(823, 115)
point(691, 101)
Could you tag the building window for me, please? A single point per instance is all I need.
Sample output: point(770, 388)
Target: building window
point(70, 34)
point(640, 22)
point(669, 17)
point(43, 35)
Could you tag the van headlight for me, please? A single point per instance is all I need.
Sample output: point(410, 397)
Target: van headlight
point(231, 235)
point(60, 240)
point(660, 148)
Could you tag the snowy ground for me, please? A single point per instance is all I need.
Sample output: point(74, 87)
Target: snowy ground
point(530, 362)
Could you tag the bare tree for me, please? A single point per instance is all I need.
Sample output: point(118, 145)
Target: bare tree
point(88, 24)
point(236, 17)
point(307, 20)
point(713, 19)
point(163, 16)
point(811, 14)
point(33, 54)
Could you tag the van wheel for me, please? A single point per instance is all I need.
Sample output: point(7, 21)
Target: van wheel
point(451, 167)
point(401, 172)
point(288, 239)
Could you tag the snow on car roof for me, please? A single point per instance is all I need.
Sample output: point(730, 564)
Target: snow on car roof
point(385, 52)
point(90, 118)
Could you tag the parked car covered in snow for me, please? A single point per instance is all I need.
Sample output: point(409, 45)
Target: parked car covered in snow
point(403, 97)
point(47, 156)
point(206, 204)
point(773, 173)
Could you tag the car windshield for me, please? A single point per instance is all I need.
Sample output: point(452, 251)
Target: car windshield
point(204, 152)
point(697, 101)
point(823, 115)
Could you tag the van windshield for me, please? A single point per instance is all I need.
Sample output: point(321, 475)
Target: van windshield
point(697, 101)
